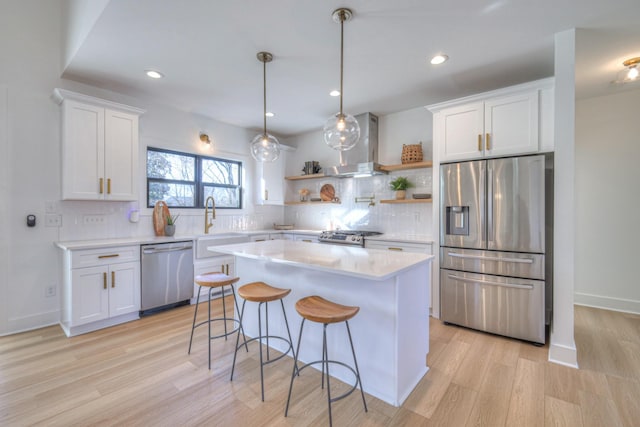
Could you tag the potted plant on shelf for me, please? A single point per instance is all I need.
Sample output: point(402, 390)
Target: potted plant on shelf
point(400, 185)
point(170, 227)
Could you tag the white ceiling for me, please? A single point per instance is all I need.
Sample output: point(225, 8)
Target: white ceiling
point(207, 51)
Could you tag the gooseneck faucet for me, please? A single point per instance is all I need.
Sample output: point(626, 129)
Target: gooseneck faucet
point(209, 223)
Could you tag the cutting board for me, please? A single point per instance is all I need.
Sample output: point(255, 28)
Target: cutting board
point(160, 214)
point(327, 193)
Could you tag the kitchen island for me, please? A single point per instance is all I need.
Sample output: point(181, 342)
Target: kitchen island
point(392, 289)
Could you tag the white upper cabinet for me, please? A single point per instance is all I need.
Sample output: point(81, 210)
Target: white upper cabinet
point(270, 183)
point(516, 120)
point(99, 148)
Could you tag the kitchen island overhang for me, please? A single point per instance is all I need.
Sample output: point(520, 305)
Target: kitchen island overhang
point(391, 331)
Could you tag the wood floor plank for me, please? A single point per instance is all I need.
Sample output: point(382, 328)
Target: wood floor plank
point(559, 413)
point(492, 405)
point(598, 411)
point(626, 397)
point(526, 406)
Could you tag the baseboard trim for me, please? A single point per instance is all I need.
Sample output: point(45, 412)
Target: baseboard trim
point(563, 355)
point(607, 303)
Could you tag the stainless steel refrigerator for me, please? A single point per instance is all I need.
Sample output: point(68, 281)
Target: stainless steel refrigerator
point(496, 234)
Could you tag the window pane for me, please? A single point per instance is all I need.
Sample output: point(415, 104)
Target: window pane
point(220, 172)
point(170, 166)
point(175, 195)
point(224, 197)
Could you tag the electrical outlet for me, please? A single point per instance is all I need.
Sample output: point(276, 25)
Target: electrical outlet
point(53, 220)
point(50, 291)
point(94, 219)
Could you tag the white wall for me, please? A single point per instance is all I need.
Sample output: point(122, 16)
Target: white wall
point(608, 201)
point(30, 165)
point(407, 127)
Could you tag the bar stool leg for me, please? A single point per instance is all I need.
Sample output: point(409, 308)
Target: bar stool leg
point(295, 367)
point(288, 331)
point(195, 314)
point(235, 353)
point(260, 344)
point(325, 361)
point(355, 362)
point(224, 312)
point(209, 324)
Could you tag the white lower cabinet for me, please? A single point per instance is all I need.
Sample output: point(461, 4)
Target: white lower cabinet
point(224, 264)
point(101, 288)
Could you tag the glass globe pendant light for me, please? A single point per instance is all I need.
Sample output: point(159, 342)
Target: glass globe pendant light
point(265, 147)
point(341, 131)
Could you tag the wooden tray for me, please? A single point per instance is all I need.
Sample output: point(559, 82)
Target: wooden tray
point(327, 193)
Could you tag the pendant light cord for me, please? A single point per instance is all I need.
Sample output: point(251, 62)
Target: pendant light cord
point(264, 95)
point(342, 18)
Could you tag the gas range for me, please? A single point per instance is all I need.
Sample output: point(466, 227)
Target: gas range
point(346, 237)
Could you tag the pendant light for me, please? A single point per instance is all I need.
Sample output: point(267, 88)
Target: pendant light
point(265, 147)
point(341, 131)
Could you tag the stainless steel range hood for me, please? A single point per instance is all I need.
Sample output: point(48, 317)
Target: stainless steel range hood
point(361, 160)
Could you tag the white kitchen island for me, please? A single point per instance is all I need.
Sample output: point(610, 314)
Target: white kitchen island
point(392, 289)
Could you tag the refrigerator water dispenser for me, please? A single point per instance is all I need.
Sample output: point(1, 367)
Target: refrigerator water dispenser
point(457, 220)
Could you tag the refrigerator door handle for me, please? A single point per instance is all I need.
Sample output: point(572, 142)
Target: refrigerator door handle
point(491, 258)
point(483, 211)
point(490, 283)
point(490, 197)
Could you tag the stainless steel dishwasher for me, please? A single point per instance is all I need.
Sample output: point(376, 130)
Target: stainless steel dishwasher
point(166, 275)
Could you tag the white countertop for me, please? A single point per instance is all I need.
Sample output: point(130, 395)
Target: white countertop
point(351, 261)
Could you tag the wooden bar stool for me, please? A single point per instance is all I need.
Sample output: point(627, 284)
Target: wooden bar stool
point(262, 293)
point(320, 310)
point(212, 281)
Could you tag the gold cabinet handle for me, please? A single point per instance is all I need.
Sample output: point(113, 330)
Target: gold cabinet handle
point(307, 240)
point(266, 194)
point(395, 249)
point(108, 185)
point(479, 142)
point(108, 256)
point(113, 279)
point(101, 185)
point(259, 240)
point(487, 142)
point(104, 280)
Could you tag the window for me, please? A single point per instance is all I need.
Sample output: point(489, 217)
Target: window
point(185, 180)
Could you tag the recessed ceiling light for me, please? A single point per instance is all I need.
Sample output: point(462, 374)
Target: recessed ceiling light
point(154, 74)
point(269, 114)
point(439, 59)
point(334, 93)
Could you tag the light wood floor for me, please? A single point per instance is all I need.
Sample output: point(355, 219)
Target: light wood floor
point(140, 374)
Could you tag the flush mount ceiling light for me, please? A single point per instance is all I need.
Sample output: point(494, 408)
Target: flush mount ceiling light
point(334, 93)
point(205, 138)
point(631, 64)
point(439, 59)
point(265, 147)
point(269, 114)
point(341, 131)
point(154, 74)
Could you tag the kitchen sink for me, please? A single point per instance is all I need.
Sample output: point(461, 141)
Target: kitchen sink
point(206, 240)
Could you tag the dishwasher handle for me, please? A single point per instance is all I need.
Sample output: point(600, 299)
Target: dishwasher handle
point(154, 250)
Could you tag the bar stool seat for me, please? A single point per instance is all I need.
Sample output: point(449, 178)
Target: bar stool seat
point(262, 293)
point(317, 309)
point(212, 281)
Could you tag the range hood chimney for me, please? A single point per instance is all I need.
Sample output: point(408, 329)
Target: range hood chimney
point(361, 160)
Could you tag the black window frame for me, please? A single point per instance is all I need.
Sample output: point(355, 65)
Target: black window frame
point(199, 185)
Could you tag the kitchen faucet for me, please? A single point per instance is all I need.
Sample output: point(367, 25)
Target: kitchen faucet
point(209, 223)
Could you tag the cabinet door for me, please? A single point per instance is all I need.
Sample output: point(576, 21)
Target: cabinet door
point(271, 181)
point(121, 155)
point(124, 288)
point(511, 124)
point(461, 128)
point(89, 294)
point(82, 151)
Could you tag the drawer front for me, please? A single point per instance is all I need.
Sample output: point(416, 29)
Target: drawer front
point(104, 256)
point(423, 248)
point(492, 262)
point(501, 305)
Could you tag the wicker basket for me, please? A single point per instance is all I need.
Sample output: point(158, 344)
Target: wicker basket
point(411, 153)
